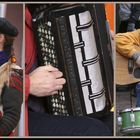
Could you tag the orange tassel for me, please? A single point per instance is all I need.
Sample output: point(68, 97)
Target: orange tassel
point(13, 59)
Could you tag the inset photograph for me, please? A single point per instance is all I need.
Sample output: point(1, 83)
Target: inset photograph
point(11, 70)
point(127, 41)
point(69, 69)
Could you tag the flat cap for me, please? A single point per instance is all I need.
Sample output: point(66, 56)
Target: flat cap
point(7, 28)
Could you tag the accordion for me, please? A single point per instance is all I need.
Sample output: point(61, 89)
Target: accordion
point(75, 39)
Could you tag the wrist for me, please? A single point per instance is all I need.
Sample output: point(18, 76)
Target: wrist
point(135, 56)
point(32, 85)
point(131, 26)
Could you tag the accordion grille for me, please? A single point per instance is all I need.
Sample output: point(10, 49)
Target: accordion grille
point(49, 57)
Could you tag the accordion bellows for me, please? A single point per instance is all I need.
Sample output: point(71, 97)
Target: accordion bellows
point(88, 61)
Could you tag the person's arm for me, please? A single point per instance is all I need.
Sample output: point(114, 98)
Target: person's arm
point(44, 80)
point(126, 43)
point(12, 98)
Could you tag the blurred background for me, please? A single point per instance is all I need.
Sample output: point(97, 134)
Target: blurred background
point(14, 13)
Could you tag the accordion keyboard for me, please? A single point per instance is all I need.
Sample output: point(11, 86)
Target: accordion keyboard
point(46, 42)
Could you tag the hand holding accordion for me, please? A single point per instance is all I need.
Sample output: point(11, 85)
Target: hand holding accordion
point(46, 80)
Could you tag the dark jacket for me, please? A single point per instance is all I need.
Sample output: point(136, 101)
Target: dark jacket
point(135, 14)
point(11, 98)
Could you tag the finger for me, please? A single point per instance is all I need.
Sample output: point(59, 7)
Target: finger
point(57, 74)
point(54, 92)
point(58, 87)
point(60, 81)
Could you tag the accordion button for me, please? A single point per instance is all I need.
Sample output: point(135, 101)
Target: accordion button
point(49, 23)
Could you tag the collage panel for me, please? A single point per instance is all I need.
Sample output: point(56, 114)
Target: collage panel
point(11, 70)
point(127, 71)
point(69, 67)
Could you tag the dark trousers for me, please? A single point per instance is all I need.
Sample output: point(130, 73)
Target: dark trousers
point(42, 124)
point(138, 100)
point(123, 26)
point(137, 91)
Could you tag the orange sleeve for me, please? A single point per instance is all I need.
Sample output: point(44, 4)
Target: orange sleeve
point(126, 42)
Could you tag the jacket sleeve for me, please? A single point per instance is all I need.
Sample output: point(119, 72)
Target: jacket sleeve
point(12, 98)
point(30, 43)
point(126, 42)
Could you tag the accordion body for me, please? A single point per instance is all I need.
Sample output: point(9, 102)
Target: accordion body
point(75, 39)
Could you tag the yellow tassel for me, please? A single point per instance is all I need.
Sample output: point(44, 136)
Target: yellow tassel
point(112, 109)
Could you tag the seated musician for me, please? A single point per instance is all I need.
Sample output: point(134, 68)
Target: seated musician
point(125, 45)
point(10, 80)
point(45, 81)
